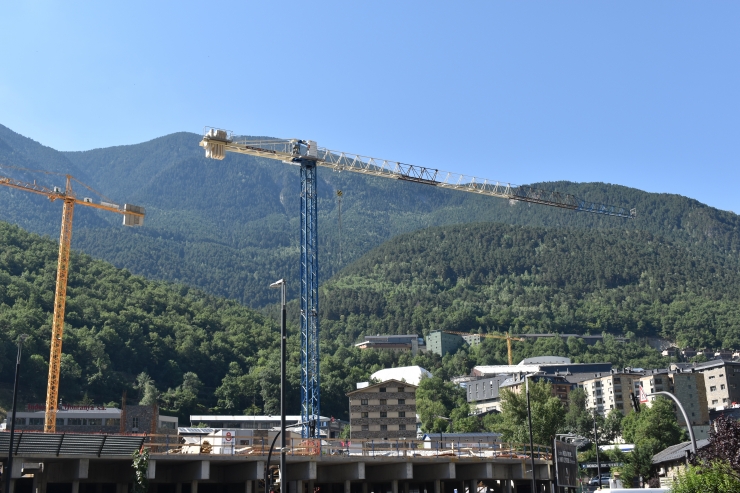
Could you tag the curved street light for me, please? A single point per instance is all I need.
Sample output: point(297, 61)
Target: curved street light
point(685, 417)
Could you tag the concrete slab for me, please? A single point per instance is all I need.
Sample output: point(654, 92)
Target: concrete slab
point(482, 470)
point(301, 471)
point(353, 471)
point(390, 472)
point(236, 473)
point(431, 472)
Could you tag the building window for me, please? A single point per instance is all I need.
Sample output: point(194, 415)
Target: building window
point(722, 387)
point(80, 421)
point(401, 389)
point(95, 421)
point(112, 422)
point(60, 421)
point(711, 377)
point(714, 401)
point(365, 428)
point(401, 414)
point(383, 414)
point(363, 415)
point(135, 422)
point(721, 375)
point(168, 425)
point(382, 389)
point(712, 388)
point(401, 427)
point(383, 402)
point(383, 427)
point(35, 421)
point(363, 402)
point(401, 402)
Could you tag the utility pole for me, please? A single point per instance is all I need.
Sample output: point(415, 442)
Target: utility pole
point(531, 439)
point(283, 356)
point(9, 472)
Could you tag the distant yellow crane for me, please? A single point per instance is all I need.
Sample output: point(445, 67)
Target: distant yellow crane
point(508, 338)
point(132, 216)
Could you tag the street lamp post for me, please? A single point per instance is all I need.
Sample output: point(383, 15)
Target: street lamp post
point(531, 439)
point(283, 356)
point(685, 418)
point(598, 460)
point(9, 472)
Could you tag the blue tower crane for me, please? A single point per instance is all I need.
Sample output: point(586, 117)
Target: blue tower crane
point(307, 155)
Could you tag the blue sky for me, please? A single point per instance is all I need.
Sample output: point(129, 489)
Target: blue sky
point(643, 94)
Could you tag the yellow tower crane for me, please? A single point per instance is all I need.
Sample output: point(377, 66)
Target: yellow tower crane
point(132, 216)
point(508, 338)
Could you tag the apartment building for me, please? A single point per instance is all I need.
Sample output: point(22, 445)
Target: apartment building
point(722, 382)
point(384, 410)
point(688, 387)
point(483, 395)
point(561, 387)
point(607, 391)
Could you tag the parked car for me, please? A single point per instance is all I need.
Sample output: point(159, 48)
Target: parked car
point(604, 480)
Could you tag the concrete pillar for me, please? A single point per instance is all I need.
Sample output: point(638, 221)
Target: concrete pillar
point(248, 485)
point(193, 486)
point(406, 487)
point(394, 486)
point(437, 486)
point(12, 486)
point(507, 486)
point(348, 486)
point(76, 486)
point(473, 485)
point(311, 486)
point(364, 487)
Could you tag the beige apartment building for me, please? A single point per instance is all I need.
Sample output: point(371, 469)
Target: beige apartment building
point(722, 382)
point(605, 392)
point(384, 410)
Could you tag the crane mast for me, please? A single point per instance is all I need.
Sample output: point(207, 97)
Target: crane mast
point(132, 216)
point(307, 155)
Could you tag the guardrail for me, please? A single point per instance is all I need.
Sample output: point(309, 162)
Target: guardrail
point(260, 446)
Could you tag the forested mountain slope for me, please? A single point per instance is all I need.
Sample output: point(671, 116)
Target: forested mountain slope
point(493, 277)
point(204, 354)
point(231, 227)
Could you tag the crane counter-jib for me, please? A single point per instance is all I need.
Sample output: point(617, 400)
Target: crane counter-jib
point(295, 151)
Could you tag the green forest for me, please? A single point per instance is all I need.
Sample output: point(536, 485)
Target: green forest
point(195, 352)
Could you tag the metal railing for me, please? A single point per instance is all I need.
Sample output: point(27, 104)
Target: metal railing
point(260, 446)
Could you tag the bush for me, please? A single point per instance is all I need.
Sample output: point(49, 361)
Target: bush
point(716, 477)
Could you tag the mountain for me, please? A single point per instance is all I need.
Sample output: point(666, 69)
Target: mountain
point(231, 227)
point(197, 354)
point(492, 277)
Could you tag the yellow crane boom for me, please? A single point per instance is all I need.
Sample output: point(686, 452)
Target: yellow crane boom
point(508, 338)
point(132, 216)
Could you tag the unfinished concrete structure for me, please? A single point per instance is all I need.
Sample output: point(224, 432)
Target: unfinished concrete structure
point(91, 465)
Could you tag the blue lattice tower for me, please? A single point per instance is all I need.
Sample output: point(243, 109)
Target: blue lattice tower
point(310, 393)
